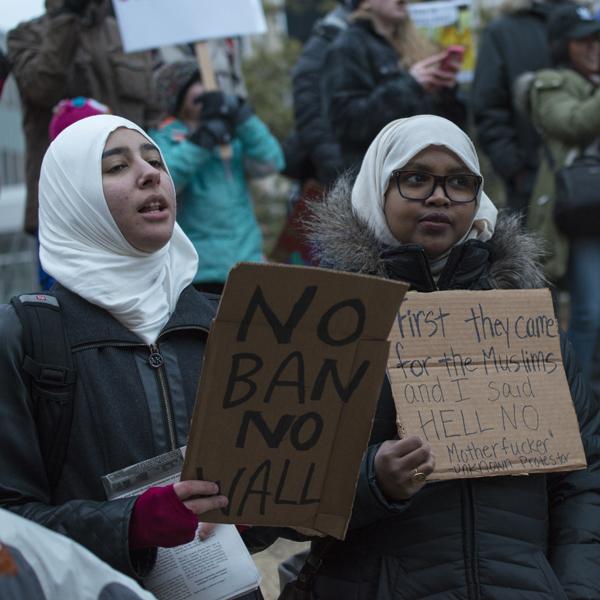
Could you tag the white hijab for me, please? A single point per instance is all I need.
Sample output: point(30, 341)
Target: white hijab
point(395, 145)
point(84, 250)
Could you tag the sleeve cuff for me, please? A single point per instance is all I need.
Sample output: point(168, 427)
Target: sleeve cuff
point(370, 504)
point(392, 507)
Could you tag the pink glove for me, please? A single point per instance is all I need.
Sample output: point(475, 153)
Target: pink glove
point(160, 518)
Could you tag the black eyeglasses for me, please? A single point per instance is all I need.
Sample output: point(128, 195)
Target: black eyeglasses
point(459, 188)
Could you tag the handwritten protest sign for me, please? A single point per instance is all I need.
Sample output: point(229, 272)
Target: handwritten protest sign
point(479, 375)
point(148, 24)
point(447, 23)
point(291, 377)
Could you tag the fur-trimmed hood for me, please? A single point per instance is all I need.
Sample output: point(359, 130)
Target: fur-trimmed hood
point(340, 241)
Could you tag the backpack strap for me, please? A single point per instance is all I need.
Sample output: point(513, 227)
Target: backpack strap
point(49, 369)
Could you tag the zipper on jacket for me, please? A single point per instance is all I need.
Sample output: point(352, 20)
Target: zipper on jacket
point(156, 361)
point(469, 542)
point(427, 270)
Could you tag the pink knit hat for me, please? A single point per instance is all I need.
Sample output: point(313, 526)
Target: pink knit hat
point(70, 110)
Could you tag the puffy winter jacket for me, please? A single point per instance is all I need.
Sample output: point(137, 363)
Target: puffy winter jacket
point(497, 538)
point(214, 207)
point(565, 108)
point(125, 411)
point(365, 88)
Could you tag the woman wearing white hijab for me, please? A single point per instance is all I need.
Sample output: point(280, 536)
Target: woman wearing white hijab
point(137, 331)
point(417, 212)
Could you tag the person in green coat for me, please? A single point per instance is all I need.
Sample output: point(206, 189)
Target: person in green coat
point(565, 107)
point(214, 207)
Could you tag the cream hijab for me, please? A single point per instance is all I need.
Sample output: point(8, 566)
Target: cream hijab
point(84, 250)
point(395, 145)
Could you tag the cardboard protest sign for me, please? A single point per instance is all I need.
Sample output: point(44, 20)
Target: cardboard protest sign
point(479, 375)
point(448, 23)
point(291, 377)
point(148, 24)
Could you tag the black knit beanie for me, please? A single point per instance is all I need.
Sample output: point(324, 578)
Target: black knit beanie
point(172, 82)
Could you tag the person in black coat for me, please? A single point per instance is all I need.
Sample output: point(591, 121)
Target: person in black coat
point(312, 154)
point(137, 331)
point(313, 130)
point(495, 538)
point(381, 69)
point(512, 44)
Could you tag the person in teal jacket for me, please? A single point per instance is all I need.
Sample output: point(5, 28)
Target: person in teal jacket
point(214, 207)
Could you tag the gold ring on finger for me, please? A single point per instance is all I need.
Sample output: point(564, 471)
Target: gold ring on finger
point(418, 476)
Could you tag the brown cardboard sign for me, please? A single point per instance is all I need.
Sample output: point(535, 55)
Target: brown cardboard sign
point(293, 368)
point(479, 375)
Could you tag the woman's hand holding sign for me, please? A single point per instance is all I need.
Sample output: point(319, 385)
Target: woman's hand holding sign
point(402, 467)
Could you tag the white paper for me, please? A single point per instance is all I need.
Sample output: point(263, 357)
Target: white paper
point(214, 569)
point(218, 568)
point(148, 24)
point(437, 13)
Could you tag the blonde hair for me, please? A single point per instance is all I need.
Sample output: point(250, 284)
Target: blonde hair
point(410, 44)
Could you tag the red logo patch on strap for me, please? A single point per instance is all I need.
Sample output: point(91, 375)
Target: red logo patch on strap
point(8, 566)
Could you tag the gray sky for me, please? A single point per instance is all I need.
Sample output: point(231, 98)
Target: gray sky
point(15, 11)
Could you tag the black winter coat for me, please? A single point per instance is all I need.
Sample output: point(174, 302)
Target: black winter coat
point(365, 88)
point(509, 46)
point(311, 123)
point(125, 411)
point(497, 538)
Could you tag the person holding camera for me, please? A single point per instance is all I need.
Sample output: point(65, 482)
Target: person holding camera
point(74, 49)
point(565, 107)
point(211, 142)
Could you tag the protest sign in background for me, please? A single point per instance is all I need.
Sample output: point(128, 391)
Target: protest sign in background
point(447, 23)
point(479, 375)
point(148, 24)
point(290, 381)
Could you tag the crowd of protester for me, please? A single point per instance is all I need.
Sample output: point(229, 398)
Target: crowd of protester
point(138, 193)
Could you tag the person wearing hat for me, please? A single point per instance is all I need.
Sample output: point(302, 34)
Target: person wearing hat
point(565, 107)
point(214, 207)
point(513, 43)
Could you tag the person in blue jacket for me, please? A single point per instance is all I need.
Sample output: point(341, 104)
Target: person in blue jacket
point(212, 142)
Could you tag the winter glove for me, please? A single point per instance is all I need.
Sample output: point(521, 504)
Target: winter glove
point(160, 518)
point(231, 108)
point(211, 132)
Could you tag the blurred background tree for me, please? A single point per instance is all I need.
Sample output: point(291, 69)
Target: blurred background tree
point(268, 78)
